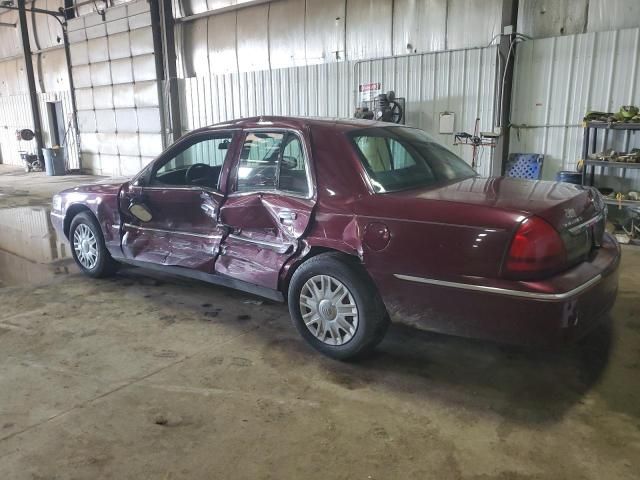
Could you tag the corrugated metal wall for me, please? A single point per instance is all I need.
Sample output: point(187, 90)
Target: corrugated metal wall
point(542, 18)
point(52, 83)
point(557, 80)
point(84, 7)
point(458, 81)
point(290, 33)
point(13, 79)
point(299, 57)
point(44, 30)
point(15, 114)
point(461, 81)
point(116, 89)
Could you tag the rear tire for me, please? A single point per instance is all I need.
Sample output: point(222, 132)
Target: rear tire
point(88, 248)
point(336, 307)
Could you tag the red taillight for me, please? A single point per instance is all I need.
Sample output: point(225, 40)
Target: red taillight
point(536, 249)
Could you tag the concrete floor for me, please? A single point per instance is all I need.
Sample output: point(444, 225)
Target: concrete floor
point(143, 376)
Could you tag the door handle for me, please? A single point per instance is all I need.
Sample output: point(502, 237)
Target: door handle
point(287, 216)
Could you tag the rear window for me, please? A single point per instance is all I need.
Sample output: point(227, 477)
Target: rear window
point(400, 158)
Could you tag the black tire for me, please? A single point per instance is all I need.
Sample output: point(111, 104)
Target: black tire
point(105, 265)
point(373, 319)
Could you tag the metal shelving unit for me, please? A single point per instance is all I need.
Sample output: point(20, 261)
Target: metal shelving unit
point(592, 164)
point(589, 146)
point(622, 203)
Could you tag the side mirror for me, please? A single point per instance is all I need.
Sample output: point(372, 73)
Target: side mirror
point(140, 211)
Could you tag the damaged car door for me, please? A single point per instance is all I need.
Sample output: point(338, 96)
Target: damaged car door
point(268, 207)
point(172, 211)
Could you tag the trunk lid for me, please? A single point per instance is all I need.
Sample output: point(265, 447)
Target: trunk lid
point(576, 212)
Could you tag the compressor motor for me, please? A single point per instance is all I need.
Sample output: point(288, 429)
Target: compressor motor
point(386, 107)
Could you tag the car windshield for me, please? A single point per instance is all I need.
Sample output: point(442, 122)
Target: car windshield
point(400, 158)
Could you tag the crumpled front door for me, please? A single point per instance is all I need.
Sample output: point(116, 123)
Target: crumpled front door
point(184, 229)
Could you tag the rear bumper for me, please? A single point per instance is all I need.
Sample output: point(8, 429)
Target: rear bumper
point(551, 312)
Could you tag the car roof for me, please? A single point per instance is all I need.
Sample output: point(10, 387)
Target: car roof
point(267, 121)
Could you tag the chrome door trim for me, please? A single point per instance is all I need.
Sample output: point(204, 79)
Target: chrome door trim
point(554, 297)
point(277, 247)
point(192, 188)
point(172, 232)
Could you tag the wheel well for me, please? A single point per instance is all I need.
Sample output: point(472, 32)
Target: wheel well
point(313, 252)
point(72, 211)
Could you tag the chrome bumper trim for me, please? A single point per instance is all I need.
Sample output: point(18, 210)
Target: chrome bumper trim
point(554, 297)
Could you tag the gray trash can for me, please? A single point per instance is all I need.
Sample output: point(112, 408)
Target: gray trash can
point(54, 161)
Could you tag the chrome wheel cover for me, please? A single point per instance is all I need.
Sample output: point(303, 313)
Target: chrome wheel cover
point(329, 310)
point(85, 246)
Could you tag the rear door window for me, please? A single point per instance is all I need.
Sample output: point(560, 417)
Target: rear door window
point(272, 161)
point(258, 167)
point(293, 167)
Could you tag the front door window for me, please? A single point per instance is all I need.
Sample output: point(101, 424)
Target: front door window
point(199, 164)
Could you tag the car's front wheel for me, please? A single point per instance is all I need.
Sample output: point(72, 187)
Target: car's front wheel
point(88, 248)
point(336, 308)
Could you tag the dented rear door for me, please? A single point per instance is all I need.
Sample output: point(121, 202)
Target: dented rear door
point(268, 207)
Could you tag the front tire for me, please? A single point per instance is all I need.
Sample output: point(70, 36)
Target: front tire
point(336, 307)
point(88, 248)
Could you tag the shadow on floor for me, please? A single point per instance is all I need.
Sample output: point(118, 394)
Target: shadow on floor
point(524, 385)
point(521, 385)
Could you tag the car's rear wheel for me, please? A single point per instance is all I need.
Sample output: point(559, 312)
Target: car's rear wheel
point(88, 248)
point(336, 307)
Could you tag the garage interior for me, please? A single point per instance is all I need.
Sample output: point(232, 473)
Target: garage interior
point(148, 376)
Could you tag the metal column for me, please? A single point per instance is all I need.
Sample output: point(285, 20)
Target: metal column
point(74, 113)
point(31, 81)
point(167, 27)
point(159, 66)
point(504, 83)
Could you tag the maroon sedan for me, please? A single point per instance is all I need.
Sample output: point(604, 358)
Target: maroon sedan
point(356, 223)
